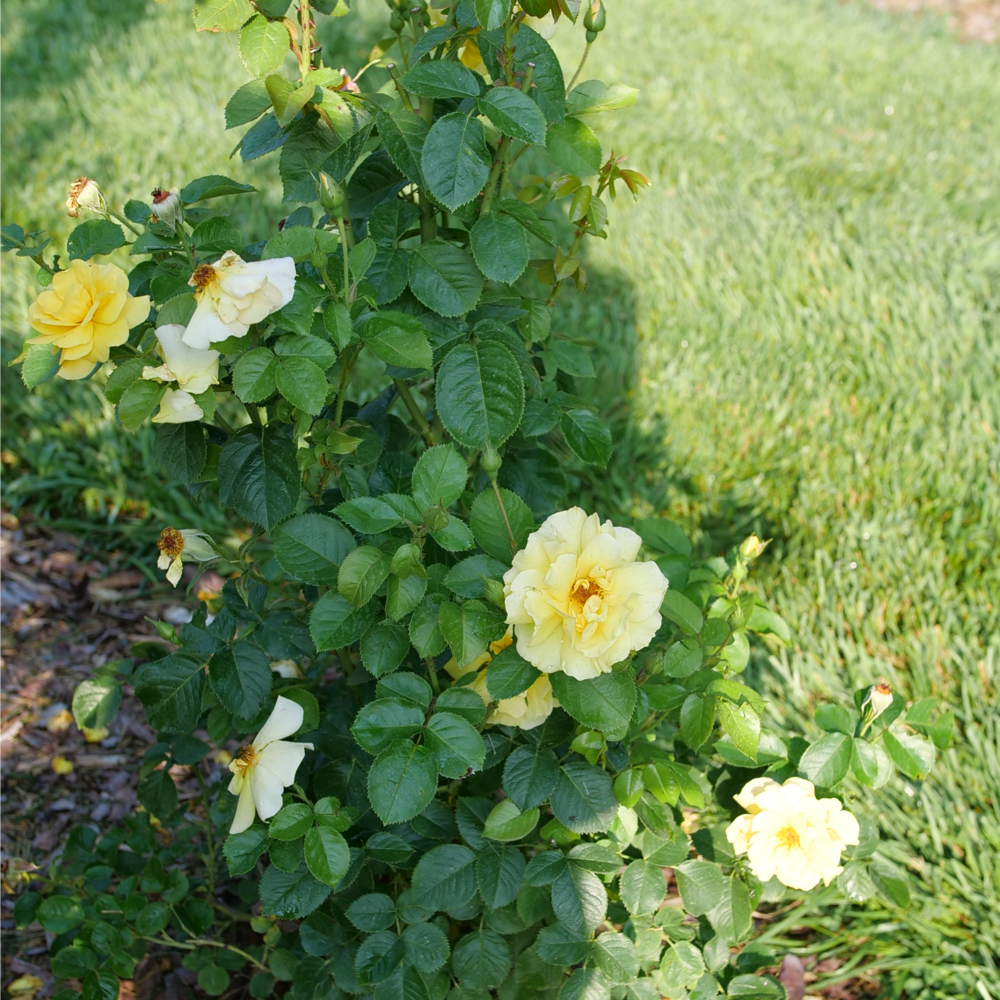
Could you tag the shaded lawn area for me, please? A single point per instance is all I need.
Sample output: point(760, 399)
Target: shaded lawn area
point(799, 332)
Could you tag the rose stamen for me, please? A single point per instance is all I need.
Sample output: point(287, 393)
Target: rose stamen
point(203, 276)
point(170, 543)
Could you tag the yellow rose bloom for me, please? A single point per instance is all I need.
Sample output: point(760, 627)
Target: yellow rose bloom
point(177, 547)
point(788, 832)
point(578, 599)
point(526, 710)
point(86, 311)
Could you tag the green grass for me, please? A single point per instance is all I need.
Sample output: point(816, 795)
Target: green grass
point(800, 332)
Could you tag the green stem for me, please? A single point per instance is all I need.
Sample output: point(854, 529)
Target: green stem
point(400, 89)
point(427, 109)
point(208, 829)
point(305, 62)
point(432, 673)
point(411, 405)
point(491, 181)
point(579, 69)
point(253, 413)
point(224, 424)
point(121, 218)
point(344, 251)
point(506, 520)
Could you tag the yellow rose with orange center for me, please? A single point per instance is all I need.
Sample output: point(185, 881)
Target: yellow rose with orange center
point(86, 311)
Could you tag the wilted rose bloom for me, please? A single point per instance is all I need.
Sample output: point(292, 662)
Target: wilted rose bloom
point(264, 768)
point(167, 207)
point(177, 547)
point(526, 710)
point(788, 832)
point(233, 293)
point(86, 311)
point(193, 371)
point(84, 193)
point(578, 599)
point(878, 699)
point(286, 668)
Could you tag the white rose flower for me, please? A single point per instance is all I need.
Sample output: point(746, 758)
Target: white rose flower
point(788, 832)
point(178, 547)
point(878, 699)
point(578, 599)
point(177, 407)
point(264, 768)
point(233, 293)
point(527, 710)
point(193, 370)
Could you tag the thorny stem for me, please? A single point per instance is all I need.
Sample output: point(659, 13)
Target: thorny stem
point(432, 673)
point(208, 829)
point(344, 248)
point(491, 182)
point(579, 69)
point(403, 94)
point(224, 424)
point(411, 405)
point(506, 520)
point(305, 59)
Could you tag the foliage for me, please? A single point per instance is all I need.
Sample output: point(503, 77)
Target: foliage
point(484, 391)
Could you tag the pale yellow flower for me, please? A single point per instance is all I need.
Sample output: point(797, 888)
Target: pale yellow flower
point(264, 768)
point(526, 710)
point(878, 699)
point(167, 207)
point(178, 547)
point(193, 371)
point(96, 735)
point(59, 721)
point(233, 293)
point(789, 833)
point(86, 311)
point(286, 668)
point(84, 193)
point(578, 599)
point(62, 766)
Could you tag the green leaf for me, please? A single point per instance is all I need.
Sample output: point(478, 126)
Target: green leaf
point(499, 874)
point(362, 572)
point(574, 147)
point(697, 719)
point(96, 701)
point(439, 476)
point(445, 878)
point(311, 547)
point(212, 186)
point(297, 345)
point(263, 47)
point(459, 747)
point(585, 984)
point(481, 959)
point(398, 339)
point(742, 725)
point(570, 358)
point(549, 83)
point(701, 886)
point(454, 536)
point(402, 781)
point(384, 647)
point(378, 957)
point(763, 620)
point(425, 631)
point(182, 450)
point(827, 761)
point(593, 96)
point(241, 678)
point(403, 596)
point(403, 135)
point(372, 912)
point(138, 403)
point(384, 720)
point(507, 675)
point(890, 881)
point(507, 823)
point(587, 435)
point(94, 237)
point(500, 247)
point(912, 754)
point(455, 159)
point(490, 527)
point(302, 383)
point(170, 690)
point(444, 278)
point(327, 854)
point(41, 364)
point(248, 103)
point(459, 630)
point(335, 623)
point(683, 611)
point(291, 822)
point(259, 477)
point(442, 79)
point(427, 949)
point(731, 916)
point(242, 850)
point(642, 887)
point(221, 15)
point(514, 114)
point(158, 794)
point(558, 945)
point(604, 702)
point(864, 763)
point(628, 787)
point(291, 895)
point(579, 899)
point(757, 988)
point(492, 13)
point(615, 955)
point(369, 515)
point(583, 799)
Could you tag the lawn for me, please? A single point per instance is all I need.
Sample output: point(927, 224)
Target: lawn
point(800, 326)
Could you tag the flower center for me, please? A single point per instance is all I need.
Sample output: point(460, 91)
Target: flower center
point(788, 837)
point(170, 543)
point(203, 276)
point(583, 591)
point(159, 195)
point(245, 757)
point(883, 689)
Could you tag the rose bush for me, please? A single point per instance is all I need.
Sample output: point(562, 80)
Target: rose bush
point(489, 723)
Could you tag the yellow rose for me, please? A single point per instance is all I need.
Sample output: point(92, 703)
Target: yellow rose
point(578, 599)
point(178, 547)
point(526, 710)
point(86, 312)
point(788, 832)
